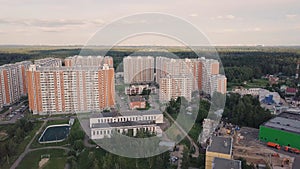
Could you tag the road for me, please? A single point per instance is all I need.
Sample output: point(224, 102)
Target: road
point(196, 154)
point(296, 164)
point(14, 118)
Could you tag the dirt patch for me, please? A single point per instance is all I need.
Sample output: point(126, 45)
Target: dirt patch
point(247, 145)
point(43, 162)
point(3, 135)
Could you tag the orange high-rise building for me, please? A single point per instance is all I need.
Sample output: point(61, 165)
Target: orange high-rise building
point(70, 89)
point(13, 83)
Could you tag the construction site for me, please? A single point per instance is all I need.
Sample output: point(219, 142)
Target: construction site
point(246, 145)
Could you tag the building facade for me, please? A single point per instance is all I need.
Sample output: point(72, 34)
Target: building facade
point(172, 87)
point(220, 147)
point(218, 84)
point(88, 61)
point(284, 130)
point(202, 71)
point(70, 89)
point(176, 67)
point(138, 69)
point(137, 102)
point(13, 82)
point(48, 62)
point(103, 125)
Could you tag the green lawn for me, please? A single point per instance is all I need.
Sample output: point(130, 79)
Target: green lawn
point(21, 147)
point(255, 83)
point(4, 110)
point(57, 160)
point(195, 131)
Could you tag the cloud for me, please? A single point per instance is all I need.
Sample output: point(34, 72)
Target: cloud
point(231, 30)
point(291, 16)
point(50, 22)
point(193, 15)
point(224, 17)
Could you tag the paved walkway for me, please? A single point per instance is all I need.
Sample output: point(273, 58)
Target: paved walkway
point(86, 142)
point(196, 154)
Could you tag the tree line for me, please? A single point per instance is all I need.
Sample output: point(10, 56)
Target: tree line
point(245, 111)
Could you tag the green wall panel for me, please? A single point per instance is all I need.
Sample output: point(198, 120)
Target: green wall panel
point(281, 137)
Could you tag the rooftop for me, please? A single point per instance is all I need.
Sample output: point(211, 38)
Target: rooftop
point(221, 163)
point(220, 145)
point(286, 121)
point(125, 113)
point(291, 90)
point(123, 124)
point(137, 99)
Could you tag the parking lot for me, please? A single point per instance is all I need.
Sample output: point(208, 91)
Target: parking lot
point(14, 113)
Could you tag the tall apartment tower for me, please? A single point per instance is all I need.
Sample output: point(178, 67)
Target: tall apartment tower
point(89, 61)
point(176, 67)
point(13, 84)
point(48, 62)
point(210, 67)
point(138, 69)
point(218, 84)
point(174, 87)
point(70, 89)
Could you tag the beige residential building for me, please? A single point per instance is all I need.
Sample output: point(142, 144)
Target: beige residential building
point(88, 61)
point(138, 69)
point(204, 73)
point(174, 87)
point(210, 68)
point(48, 62)
point(218, 84)
point(190, 67)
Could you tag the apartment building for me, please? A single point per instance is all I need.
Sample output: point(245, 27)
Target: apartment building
point(13, 83)
point(190, 67)
point(88, 61)
point(138, 69)
point(48, 62)
point(210, 68)
point(200, 70)
point(70, 89)
point(218, 84)
point(174, 87)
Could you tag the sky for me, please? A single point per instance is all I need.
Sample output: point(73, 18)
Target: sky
point(223, 22)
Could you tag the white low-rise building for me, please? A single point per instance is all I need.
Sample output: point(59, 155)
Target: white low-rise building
point(103, 125)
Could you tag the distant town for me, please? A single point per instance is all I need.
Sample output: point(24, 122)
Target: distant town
point(71, 104)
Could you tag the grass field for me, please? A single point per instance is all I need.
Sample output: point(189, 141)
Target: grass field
point(255, 83)
point(21, 147)
point(57, 160)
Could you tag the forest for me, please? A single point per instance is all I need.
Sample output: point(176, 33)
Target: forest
point(240, 63)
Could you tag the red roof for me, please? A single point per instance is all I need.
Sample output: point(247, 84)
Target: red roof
point(291, 90)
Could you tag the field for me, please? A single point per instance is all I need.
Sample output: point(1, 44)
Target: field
point(255, 83)
point(20, 147)
point(57, 160)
